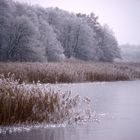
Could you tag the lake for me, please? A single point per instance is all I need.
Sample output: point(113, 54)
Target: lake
point(117, 105)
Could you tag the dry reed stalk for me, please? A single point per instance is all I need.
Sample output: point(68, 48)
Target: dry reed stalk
point(36, 103)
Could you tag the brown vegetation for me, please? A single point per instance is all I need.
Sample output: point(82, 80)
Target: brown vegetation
point(69, 72)
point(35, 103)
point(24, 103)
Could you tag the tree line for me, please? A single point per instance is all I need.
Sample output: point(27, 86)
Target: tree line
point(130, 53)
point(33, 33)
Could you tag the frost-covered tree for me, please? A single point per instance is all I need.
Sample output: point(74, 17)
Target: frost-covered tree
point(48, 39)
point(130, 53)
point(21, 40)
point(33, 33)
point(74, 34)
point(63, 25)
point(84, 44)
point(108, 45)
point(5, 16)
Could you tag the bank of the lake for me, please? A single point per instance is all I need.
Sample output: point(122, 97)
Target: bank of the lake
point(71, 72)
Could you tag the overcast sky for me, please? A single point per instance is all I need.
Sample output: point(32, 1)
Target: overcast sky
point(123, 16)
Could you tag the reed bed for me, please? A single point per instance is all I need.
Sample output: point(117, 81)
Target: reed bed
point(36, 103)
point(71, 72)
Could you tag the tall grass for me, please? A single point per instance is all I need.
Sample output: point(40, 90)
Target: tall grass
point(24, 103)
point(68, 72)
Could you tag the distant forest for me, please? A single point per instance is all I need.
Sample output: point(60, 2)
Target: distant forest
point(33, 33)
point(130, 53)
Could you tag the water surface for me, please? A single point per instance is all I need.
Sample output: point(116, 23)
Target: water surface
point(117, 105)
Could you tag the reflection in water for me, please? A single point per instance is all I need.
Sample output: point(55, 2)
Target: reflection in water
point(61, 133)
point(117, 104)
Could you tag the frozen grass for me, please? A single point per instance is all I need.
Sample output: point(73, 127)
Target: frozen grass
point(69, 72)
point(36, 103)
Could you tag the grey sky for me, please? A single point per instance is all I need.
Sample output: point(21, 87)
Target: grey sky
point(123, 16)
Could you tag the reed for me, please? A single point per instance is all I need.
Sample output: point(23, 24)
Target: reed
point(36, 103)
point(71, 72)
